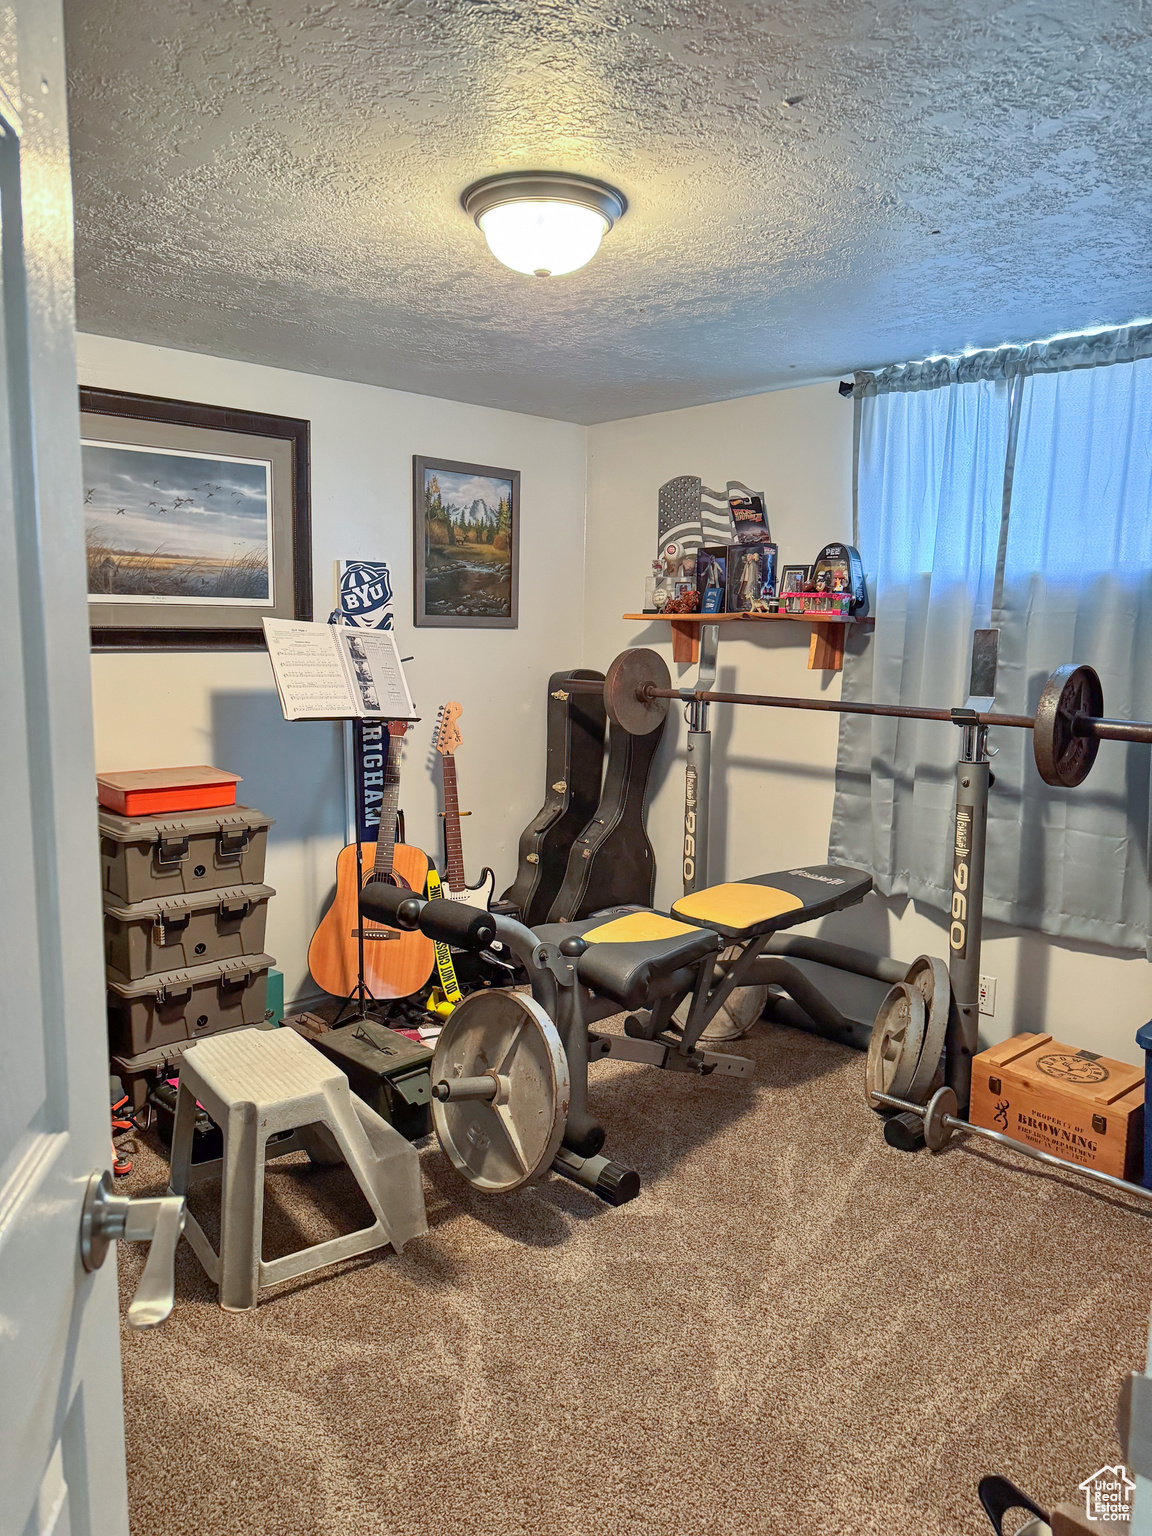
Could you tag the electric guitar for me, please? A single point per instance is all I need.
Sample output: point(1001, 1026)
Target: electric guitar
point(396, 963)
point(455, 887)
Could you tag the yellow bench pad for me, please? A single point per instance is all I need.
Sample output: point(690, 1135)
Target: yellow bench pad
point(736, 905)
point(637, 928)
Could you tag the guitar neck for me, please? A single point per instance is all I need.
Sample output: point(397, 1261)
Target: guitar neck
point(454, 848)
point(389, 806)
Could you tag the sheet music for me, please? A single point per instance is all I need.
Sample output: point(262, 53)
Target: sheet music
point(330, 672)
point(375, 674)
point(309, 678)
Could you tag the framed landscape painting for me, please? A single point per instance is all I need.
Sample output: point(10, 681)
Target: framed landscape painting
point(466, 543)
point(196, 522)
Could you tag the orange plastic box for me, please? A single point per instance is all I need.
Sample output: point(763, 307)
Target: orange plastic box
point(162, 791)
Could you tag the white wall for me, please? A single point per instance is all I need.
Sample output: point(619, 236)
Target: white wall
point(221, 708)
point(773, 775)
point(773, 771)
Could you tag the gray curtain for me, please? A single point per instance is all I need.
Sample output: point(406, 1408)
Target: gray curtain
point(1011, 488)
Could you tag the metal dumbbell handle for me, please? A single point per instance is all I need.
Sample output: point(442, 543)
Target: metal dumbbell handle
point(108, 1218)
point(940, 1123)
point(484, 1087)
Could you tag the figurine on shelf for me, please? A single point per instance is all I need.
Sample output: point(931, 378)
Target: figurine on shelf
point(748, 580)
point(838, 571)
point(711, 577)
point(678, 560)
point(751, 575)
point(687, 602)
point(656, 591)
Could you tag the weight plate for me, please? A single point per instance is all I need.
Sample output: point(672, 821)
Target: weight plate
point(937, 1135)
point(510, 1141)
point(897, 1038)
point(626, 675)
point(737, 1016)
point(930, 977)
point(1062, 758)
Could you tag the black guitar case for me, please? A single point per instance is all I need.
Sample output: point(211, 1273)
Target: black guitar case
point(573, 770)
point(612, 863)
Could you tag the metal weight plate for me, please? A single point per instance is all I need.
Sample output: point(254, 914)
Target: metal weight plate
point(930, 977)
point(510, 1141)
point(897, 1039)
point(737, 1016)
point(626, 675)
point(1063, 759)
point(937, 1135)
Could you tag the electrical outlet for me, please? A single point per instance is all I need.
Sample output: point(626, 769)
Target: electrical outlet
point(988, 995)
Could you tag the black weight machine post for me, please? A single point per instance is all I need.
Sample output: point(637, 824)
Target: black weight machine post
point(966, 916)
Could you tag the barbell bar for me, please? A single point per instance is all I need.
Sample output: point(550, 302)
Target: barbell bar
point(1067, 727)
point(941, 1123)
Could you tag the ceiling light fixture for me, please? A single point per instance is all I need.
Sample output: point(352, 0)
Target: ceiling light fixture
point(543, 223)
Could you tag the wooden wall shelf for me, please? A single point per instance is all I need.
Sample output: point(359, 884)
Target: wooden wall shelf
point(825, 645)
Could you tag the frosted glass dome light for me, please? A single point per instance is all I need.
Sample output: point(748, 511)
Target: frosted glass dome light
point(543, 239)
point(543, 223)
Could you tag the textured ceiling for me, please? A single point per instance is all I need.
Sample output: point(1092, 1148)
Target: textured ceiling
point(813, 187)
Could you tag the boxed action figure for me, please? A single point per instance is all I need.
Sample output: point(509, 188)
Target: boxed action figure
point(712, 577)
point(751, 575)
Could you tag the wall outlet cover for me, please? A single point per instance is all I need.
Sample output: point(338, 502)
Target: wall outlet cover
point(988, 995)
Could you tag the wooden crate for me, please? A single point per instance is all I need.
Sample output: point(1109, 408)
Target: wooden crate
point(1072, 1103)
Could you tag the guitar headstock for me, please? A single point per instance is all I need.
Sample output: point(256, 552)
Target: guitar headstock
point(397, 727)
point(448, 736)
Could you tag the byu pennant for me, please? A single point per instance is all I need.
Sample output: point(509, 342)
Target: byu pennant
point(365, 595)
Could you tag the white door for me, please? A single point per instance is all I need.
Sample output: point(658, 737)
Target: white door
point(61, 1416)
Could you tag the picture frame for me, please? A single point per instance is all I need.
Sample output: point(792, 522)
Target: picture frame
point(217, 528)
point(465, 544)
point(792, 579)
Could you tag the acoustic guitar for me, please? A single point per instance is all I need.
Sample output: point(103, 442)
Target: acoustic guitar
point(455, 886)
point(396, 964)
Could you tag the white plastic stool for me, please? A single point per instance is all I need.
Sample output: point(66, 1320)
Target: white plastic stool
point(254, 1083)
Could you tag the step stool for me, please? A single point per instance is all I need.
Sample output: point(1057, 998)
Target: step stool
point(255, 1083)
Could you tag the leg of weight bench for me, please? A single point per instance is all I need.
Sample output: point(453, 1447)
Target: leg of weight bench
point(701, 1010)
point(646, 1024)
point(582, 1134)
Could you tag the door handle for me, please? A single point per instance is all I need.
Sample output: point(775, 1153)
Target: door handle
point(108, 1218)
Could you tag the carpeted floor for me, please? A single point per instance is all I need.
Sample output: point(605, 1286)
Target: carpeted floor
point(794, 1331)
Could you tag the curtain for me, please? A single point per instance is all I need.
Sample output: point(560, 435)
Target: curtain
point(1011, 488)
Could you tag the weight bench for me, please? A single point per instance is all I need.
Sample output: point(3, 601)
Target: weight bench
point(629, 959)
point(649, 963)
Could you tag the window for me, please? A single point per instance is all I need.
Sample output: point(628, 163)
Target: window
point(1011, 488)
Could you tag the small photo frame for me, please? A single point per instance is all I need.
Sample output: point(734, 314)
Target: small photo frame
point(792, 579)
point(712, 577)
point(751, 575)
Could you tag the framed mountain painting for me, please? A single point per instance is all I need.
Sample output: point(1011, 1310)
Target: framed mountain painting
point(466, 544)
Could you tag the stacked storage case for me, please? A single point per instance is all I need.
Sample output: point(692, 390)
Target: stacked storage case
point(185, 910)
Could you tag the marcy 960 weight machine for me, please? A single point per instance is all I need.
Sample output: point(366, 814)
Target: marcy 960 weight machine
point(510, 1072)
point(1066, 731)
